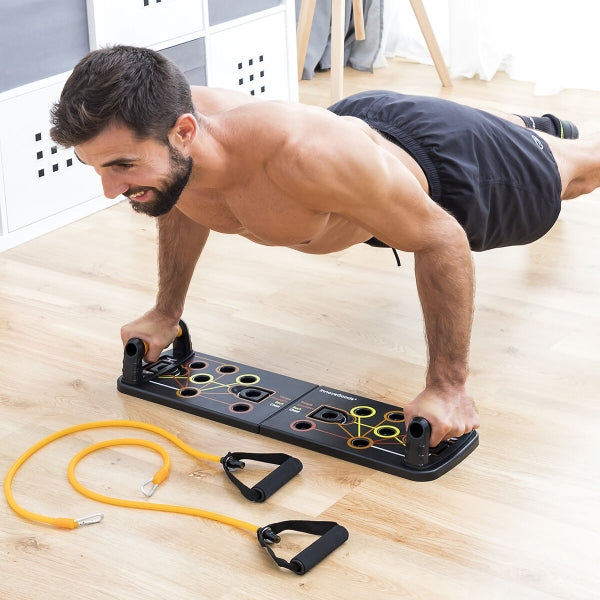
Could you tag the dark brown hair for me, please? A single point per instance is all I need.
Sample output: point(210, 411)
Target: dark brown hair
point(120, 85)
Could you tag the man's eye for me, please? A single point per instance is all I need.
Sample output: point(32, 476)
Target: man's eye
point(126, 166)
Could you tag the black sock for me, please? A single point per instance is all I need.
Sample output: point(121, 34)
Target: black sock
point(553, 125)
point(545, 124)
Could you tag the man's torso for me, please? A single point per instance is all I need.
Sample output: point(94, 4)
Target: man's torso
point(257, 198)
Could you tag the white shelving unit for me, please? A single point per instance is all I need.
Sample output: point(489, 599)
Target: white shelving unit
point(250, 46)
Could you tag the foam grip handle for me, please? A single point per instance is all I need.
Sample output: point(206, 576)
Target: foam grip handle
point(331, 534)
point(417, 443)
point(276, 479)
point(288, 467)
point(319, 549)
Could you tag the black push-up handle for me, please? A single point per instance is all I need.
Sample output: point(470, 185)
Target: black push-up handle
point(288, 467)
point(135, 350)
point(133, 354)
point(417, 443)
point(182, 344)
point(331, 534)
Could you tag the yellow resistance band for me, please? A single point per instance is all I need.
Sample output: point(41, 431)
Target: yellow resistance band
point(159, 477)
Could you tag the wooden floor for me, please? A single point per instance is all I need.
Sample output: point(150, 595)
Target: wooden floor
point(518, 519)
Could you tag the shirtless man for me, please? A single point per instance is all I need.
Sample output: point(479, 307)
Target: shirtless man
point(285, 174)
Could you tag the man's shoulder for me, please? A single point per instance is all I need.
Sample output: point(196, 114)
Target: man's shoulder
point(210, 101)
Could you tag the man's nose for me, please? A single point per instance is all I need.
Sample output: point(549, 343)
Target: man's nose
point(112, 187)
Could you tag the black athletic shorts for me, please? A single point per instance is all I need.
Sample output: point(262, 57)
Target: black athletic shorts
point(499, 180)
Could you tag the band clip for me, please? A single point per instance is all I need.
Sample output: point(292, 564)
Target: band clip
point(89, 520)
point(148, 493)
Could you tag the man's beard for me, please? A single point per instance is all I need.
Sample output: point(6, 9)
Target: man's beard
point(166, 197)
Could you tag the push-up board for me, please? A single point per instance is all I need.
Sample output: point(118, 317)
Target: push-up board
point(327, 420)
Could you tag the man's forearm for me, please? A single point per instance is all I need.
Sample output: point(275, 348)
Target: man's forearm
point(446, 288)
point(180, 243)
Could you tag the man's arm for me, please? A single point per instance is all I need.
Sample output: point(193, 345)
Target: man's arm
point(446, 289)
point(445, 283)
point(344, 172)
point(180, 243)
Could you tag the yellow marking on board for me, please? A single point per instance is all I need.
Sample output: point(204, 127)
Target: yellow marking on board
point(206, 378)
point(358, 417)
point(394, 435)
point(257, 379)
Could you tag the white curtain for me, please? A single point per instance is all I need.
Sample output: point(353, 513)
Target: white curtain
point(555, 44)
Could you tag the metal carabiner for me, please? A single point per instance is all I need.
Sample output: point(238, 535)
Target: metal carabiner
point(143, 488)
point(89, 520)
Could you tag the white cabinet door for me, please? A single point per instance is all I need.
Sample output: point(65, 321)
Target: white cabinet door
point(41, 178)
point(251, 57)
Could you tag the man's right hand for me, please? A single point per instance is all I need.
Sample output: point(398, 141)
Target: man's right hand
point(451, 412)
point(155, 328)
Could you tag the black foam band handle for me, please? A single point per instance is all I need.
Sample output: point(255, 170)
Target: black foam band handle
point(288, 467)
point(276, 479)
point(331, 534)
point(319, 549)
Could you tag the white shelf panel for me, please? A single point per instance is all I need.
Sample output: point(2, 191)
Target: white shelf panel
point(142, 22)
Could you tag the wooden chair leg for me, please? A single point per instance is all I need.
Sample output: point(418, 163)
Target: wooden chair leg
point(305, 19)
point(359, 19)
point(338, 15)
point(430, 40)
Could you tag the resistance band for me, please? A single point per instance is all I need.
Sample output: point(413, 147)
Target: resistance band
point(331, 534)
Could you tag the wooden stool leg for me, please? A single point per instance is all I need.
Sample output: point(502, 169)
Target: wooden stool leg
point(305, 19)
point(430, 40)
point(359, 19)
point(338, 13)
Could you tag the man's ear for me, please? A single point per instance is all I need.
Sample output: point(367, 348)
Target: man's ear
point(184, 131)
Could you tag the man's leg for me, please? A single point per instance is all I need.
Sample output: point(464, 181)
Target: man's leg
point(578, 164)
point(578, 160)
point(546, 123)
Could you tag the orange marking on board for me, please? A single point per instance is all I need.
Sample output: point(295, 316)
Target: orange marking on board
point(146, 347)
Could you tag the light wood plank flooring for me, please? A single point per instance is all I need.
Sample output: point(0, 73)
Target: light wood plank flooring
point(518, 519)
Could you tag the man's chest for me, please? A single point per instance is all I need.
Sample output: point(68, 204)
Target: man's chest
point(265, 214)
